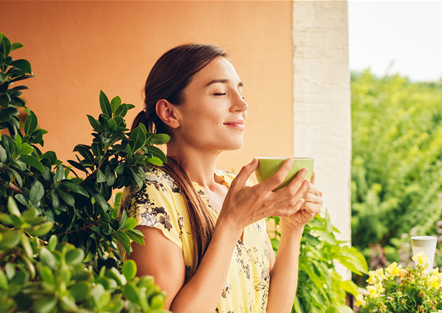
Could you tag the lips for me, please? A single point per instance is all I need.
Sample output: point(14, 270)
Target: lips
point(239, 124)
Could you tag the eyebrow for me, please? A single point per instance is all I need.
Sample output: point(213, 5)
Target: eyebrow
point(223, 81)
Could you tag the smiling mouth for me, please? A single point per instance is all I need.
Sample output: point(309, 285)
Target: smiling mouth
point(237, 125)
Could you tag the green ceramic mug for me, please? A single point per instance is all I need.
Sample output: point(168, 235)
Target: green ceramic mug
point(268, 166)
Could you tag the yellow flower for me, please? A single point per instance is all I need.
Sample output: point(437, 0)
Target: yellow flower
point(434, 282)
point(421, 259)
point(403, 273)
point(360, 300)
point(376, 276)
point(379, 288)
point(392, 270)
point(373, 292)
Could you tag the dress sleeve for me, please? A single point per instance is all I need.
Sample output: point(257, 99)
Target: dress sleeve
point(156, 205)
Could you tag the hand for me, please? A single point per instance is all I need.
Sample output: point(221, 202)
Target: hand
point(245, 205)
point(309, 209)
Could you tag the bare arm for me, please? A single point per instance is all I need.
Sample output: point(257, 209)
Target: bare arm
point(284, 276)
point(164, 260)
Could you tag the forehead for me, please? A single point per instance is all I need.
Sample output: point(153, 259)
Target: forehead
point(219, 68)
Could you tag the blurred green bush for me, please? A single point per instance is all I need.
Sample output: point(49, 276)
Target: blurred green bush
point(396, 164)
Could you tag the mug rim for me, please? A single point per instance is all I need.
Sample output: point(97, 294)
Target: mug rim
point(423, 238)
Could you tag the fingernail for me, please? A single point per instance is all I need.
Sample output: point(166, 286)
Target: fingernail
point(253, 161)
point(291, 161)
point(306, 171)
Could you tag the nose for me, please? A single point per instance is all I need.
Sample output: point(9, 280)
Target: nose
point(239, 105)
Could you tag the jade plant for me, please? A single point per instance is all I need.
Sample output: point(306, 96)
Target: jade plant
point(58, 231)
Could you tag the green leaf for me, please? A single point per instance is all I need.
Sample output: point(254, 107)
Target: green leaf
point(67, 197)
point(129, 269)
point(79, 291)
point(156, 152)
point(136, 236)
point(12, 206)
point(10, 239)
point(5, 45)
point(47, 258)
point(41, 229)
point(138, 137)
point(110, 175)
point(137, 177)
point(52, 243)
point(115, 103)
point(22, 64)
point(26, 245)
point(115, 275)
point(100, 200)
point(32, 161)
point(119, 169)
point(95, 124)
point(130, 223)
point(123, 220)
point(15, 46)
point(26, 149)
point(121, 110)
point(105, 105)
point(51, 156)
point(75, 256)
point(350, 287)
point(3, 155)
point(4, 114)
point(36, 192)
point(45, 304)
point(160, 139)
point(59, 173)
point(3, 280)
point(155, 161)
point(31, 123)
point(100, 176)
point(75, 188)
point(131, 293)
point(54, 199)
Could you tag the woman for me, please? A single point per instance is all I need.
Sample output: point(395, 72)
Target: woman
point(205, 238)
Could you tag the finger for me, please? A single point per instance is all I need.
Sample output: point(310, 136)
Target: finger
point(311, 198)
point(278, 178)
point(291, 190)
point(244, 174)
point(286, 212)
point(313, 179)
point(311, 209)
point(290, 202)
point(314, 190)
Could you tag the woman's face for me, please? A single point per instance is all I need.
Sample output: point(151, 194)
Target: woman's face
point(213, 113)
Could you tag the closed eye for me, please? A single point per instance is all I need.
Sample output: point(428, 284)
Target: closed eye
point(220, 94)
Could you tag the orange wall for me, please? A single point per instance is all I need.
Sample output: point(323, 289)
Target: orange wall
point(79, 48)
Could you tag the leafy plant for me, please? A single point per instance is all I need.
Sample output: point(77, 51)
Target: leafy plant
point(399, 290)
point(320, 287)
point(58, 232)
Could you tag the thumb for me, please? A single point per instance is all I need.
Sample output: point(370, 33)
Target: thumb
point(244, 174)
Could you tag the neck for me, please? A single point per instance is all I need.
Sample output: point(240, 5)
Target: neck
point(198, 164)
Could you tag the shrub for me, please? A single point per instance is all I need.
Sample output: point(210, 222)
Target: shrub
point(57, 230)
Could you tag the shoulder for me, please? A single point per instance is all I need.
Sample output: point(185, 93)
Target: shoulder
point(161, 180)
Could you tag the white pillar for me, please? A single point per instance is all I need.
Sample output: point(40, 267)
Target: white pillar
point(322, 117)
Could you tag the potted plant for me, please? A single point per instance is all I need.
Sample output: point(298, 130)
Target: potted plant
point(58, 231)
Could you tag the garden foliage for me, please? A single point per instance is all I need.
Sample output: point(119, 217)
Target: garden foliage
point(397, 159)
point(320, 288)
point(58, 232)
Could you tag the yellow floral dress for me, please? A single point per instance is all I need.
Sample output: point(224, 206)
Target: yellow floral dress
point(160, 204)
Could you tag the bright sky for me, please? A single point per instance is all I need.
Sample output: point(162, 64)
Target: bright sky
point(402, 37)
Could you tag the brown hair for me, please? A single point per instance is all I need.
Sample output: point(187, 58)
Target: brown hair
point(168, 78)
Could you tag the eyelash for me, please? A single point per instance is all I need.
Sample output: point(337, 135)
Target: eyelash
point(223, 94)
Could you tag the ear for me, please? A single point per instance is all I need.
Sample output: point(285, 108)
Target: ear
point(167, 113)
